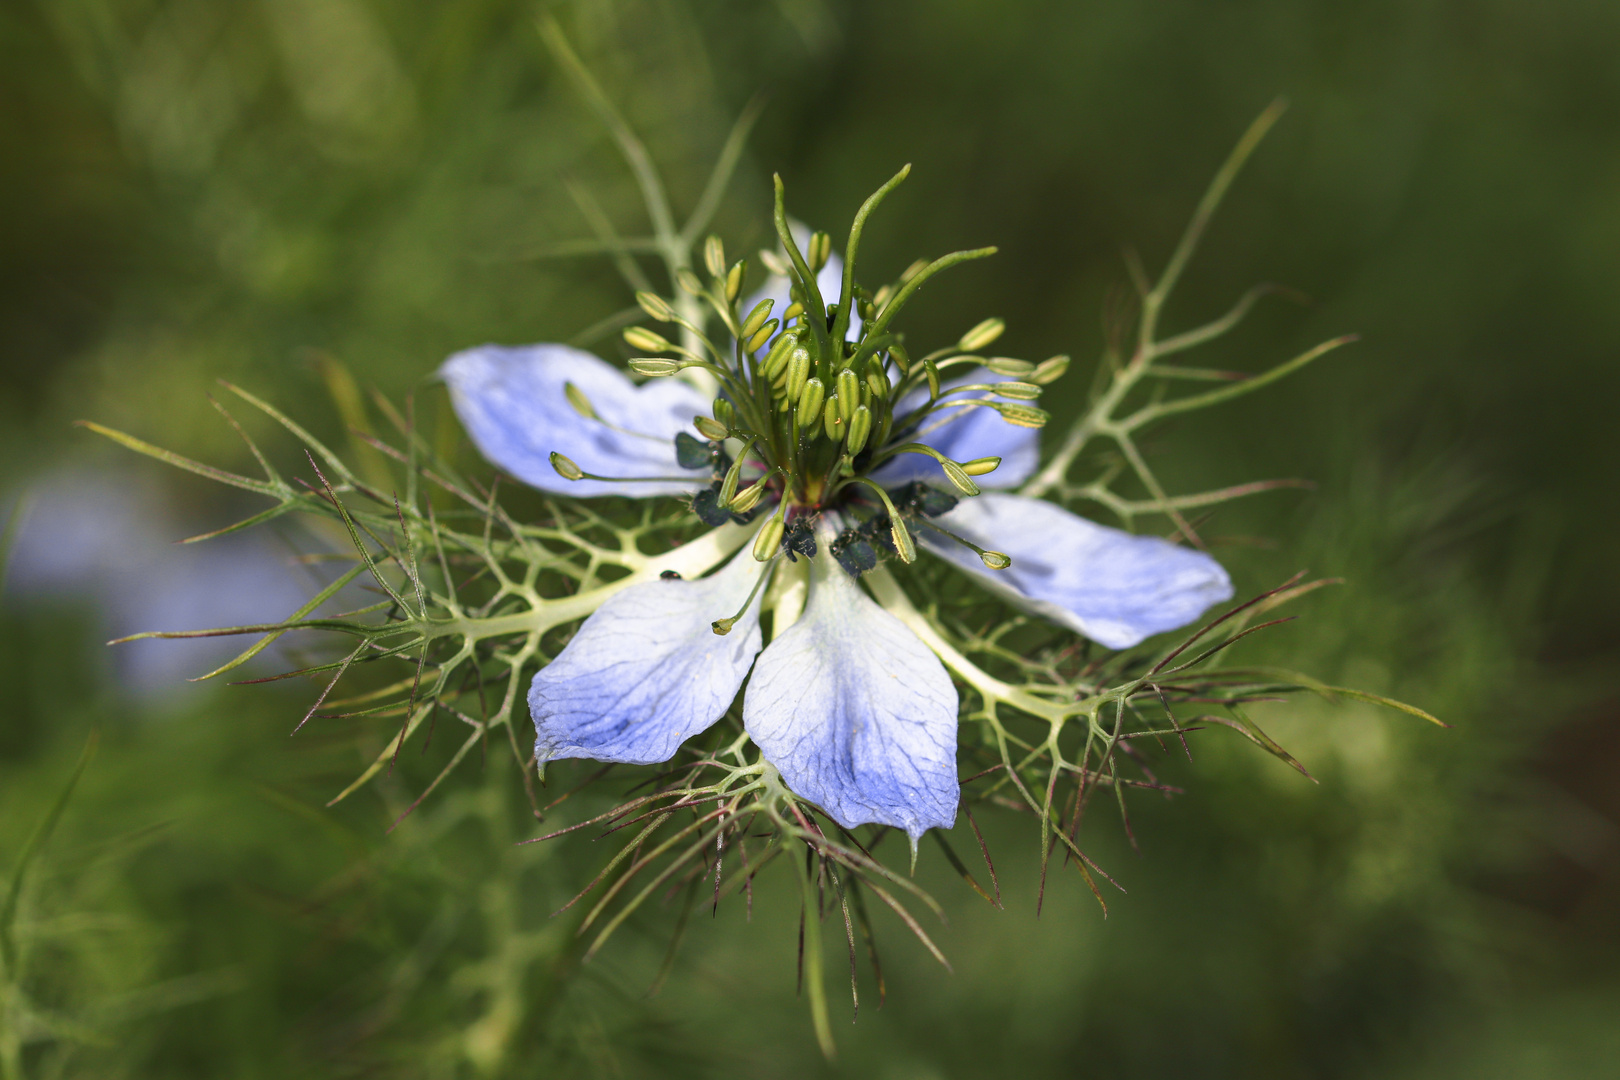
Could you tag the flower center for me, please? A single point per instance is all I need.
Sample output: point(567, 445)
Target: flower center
point(817, 398)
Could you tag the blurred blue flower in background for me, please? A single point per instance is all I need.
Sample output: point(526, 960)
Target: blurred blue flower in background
point(110, 540)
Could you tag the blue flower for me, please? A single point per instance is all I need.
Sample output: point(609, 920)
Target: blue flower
point(849, 705)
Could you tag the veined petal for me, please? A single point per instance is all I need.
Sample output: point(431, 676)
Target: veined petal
point(647, 671)
point(963, 434)
point(1107, 584)
point(855, 712)
point(513, 402)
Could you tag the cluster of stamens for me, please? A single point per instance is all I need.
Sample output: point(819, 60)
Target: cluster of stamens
point(805, 416)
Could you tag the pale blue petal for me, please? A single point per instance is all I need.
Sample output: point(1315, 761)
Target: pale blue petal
point(856, 713)
point(1109, 585)
point(964, 435)
point(647, 672)
point(513, 403)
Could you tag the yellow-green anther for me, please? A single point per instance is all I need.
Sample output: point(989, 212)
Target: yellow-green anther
point(794, 310)
point(981, 335)
point(798, 370)
point(981, 466)
point(734, 280)
point(756, 318)
point(1018, 391)
point(884, 295)
point(913, 270)
point(932, 371)
point(714, 256)
point(724, 413)
point(877, 383)
point(902, 541)
point(954, 472)
point(654, 305)
point(759, 337)
point(576, 397)
point(860, 426)
point(769, 538)
point(958, 477)
point(774, 262)
point(832, 420)
point(849, 393)
point(820, 251)
point(1006, 365)
point(728, 484)
point(1049, 371)
point(995, 560)
point(901, 358)
point(654, 365)
point(748, 498)
point(1022, 415)
point(810, 399)
point(639, 337)
point(708, 428)
point(689, 281)
point(565, 467)
point(777, 358)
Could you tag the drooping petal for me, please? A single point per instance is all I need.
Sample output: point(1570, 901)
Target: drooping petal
point(1109, 585)
point(647, 671)
point(963, 434)
point(855, 712)
point(513, 402)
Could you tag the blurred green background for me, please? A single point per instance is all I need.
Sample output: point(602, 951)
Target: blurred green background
point(194, 190)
